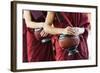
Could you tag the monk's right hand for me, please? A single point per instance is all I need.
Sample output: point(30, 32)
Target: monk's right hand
point(43, 33)
point(69, 31)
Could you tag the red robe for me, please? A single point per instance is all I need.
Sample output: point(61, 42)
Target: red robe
point(24, 43)
point(37, 51)
point(64, 19)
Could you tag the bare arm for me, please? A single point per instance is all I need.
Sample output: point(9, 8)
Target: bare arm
point(48, 24)
point(29, 22)
point(53, 30)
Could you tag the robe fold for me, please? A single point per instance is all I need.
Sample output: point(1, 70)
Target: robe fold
point(64, 19)
point(24, 43)
point(36, 50)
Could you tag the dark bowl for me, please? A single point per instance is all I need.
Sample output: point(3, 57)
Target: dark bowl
point(67, 41)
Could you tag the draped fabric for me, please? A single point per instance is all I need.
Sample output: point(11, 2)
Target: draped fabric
point(34, 50)
point(64, 19)
point(37, 51)
point(24, 43)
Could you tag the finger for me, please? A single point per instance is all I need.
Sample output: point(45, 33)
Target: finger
point(71, 32)
point(41, 33)
point(45, 34)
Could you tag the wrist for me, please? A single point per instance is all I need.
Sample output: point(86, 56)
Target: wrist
point(63, 31)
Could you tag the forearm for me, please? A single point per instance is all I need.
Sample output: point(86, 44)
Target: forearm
point(53, 30)
point(48, 24)
point(68, 30)
point(31, 24)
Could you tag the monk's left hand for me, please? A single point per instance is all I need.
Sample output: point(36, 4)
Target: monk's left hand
point(43, 33)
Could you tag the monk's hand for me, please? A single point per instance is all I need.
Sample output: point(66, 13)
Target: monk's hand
point(73, 30)
point(69, 31)
point(78, 30)
point(43, 33)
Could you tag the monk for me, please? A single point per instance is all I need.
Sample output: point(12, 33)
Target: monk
point(36, 50)
point(70, 24)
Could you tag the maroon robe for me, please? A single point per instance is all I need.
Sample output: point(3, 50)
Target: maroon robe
point(64, 19)
point(37, 51)
point(24, 43)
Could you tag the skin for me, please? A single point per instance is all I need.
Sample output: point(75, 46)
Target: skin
point(53, 30)
point(32, 24)
point(47, 25)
